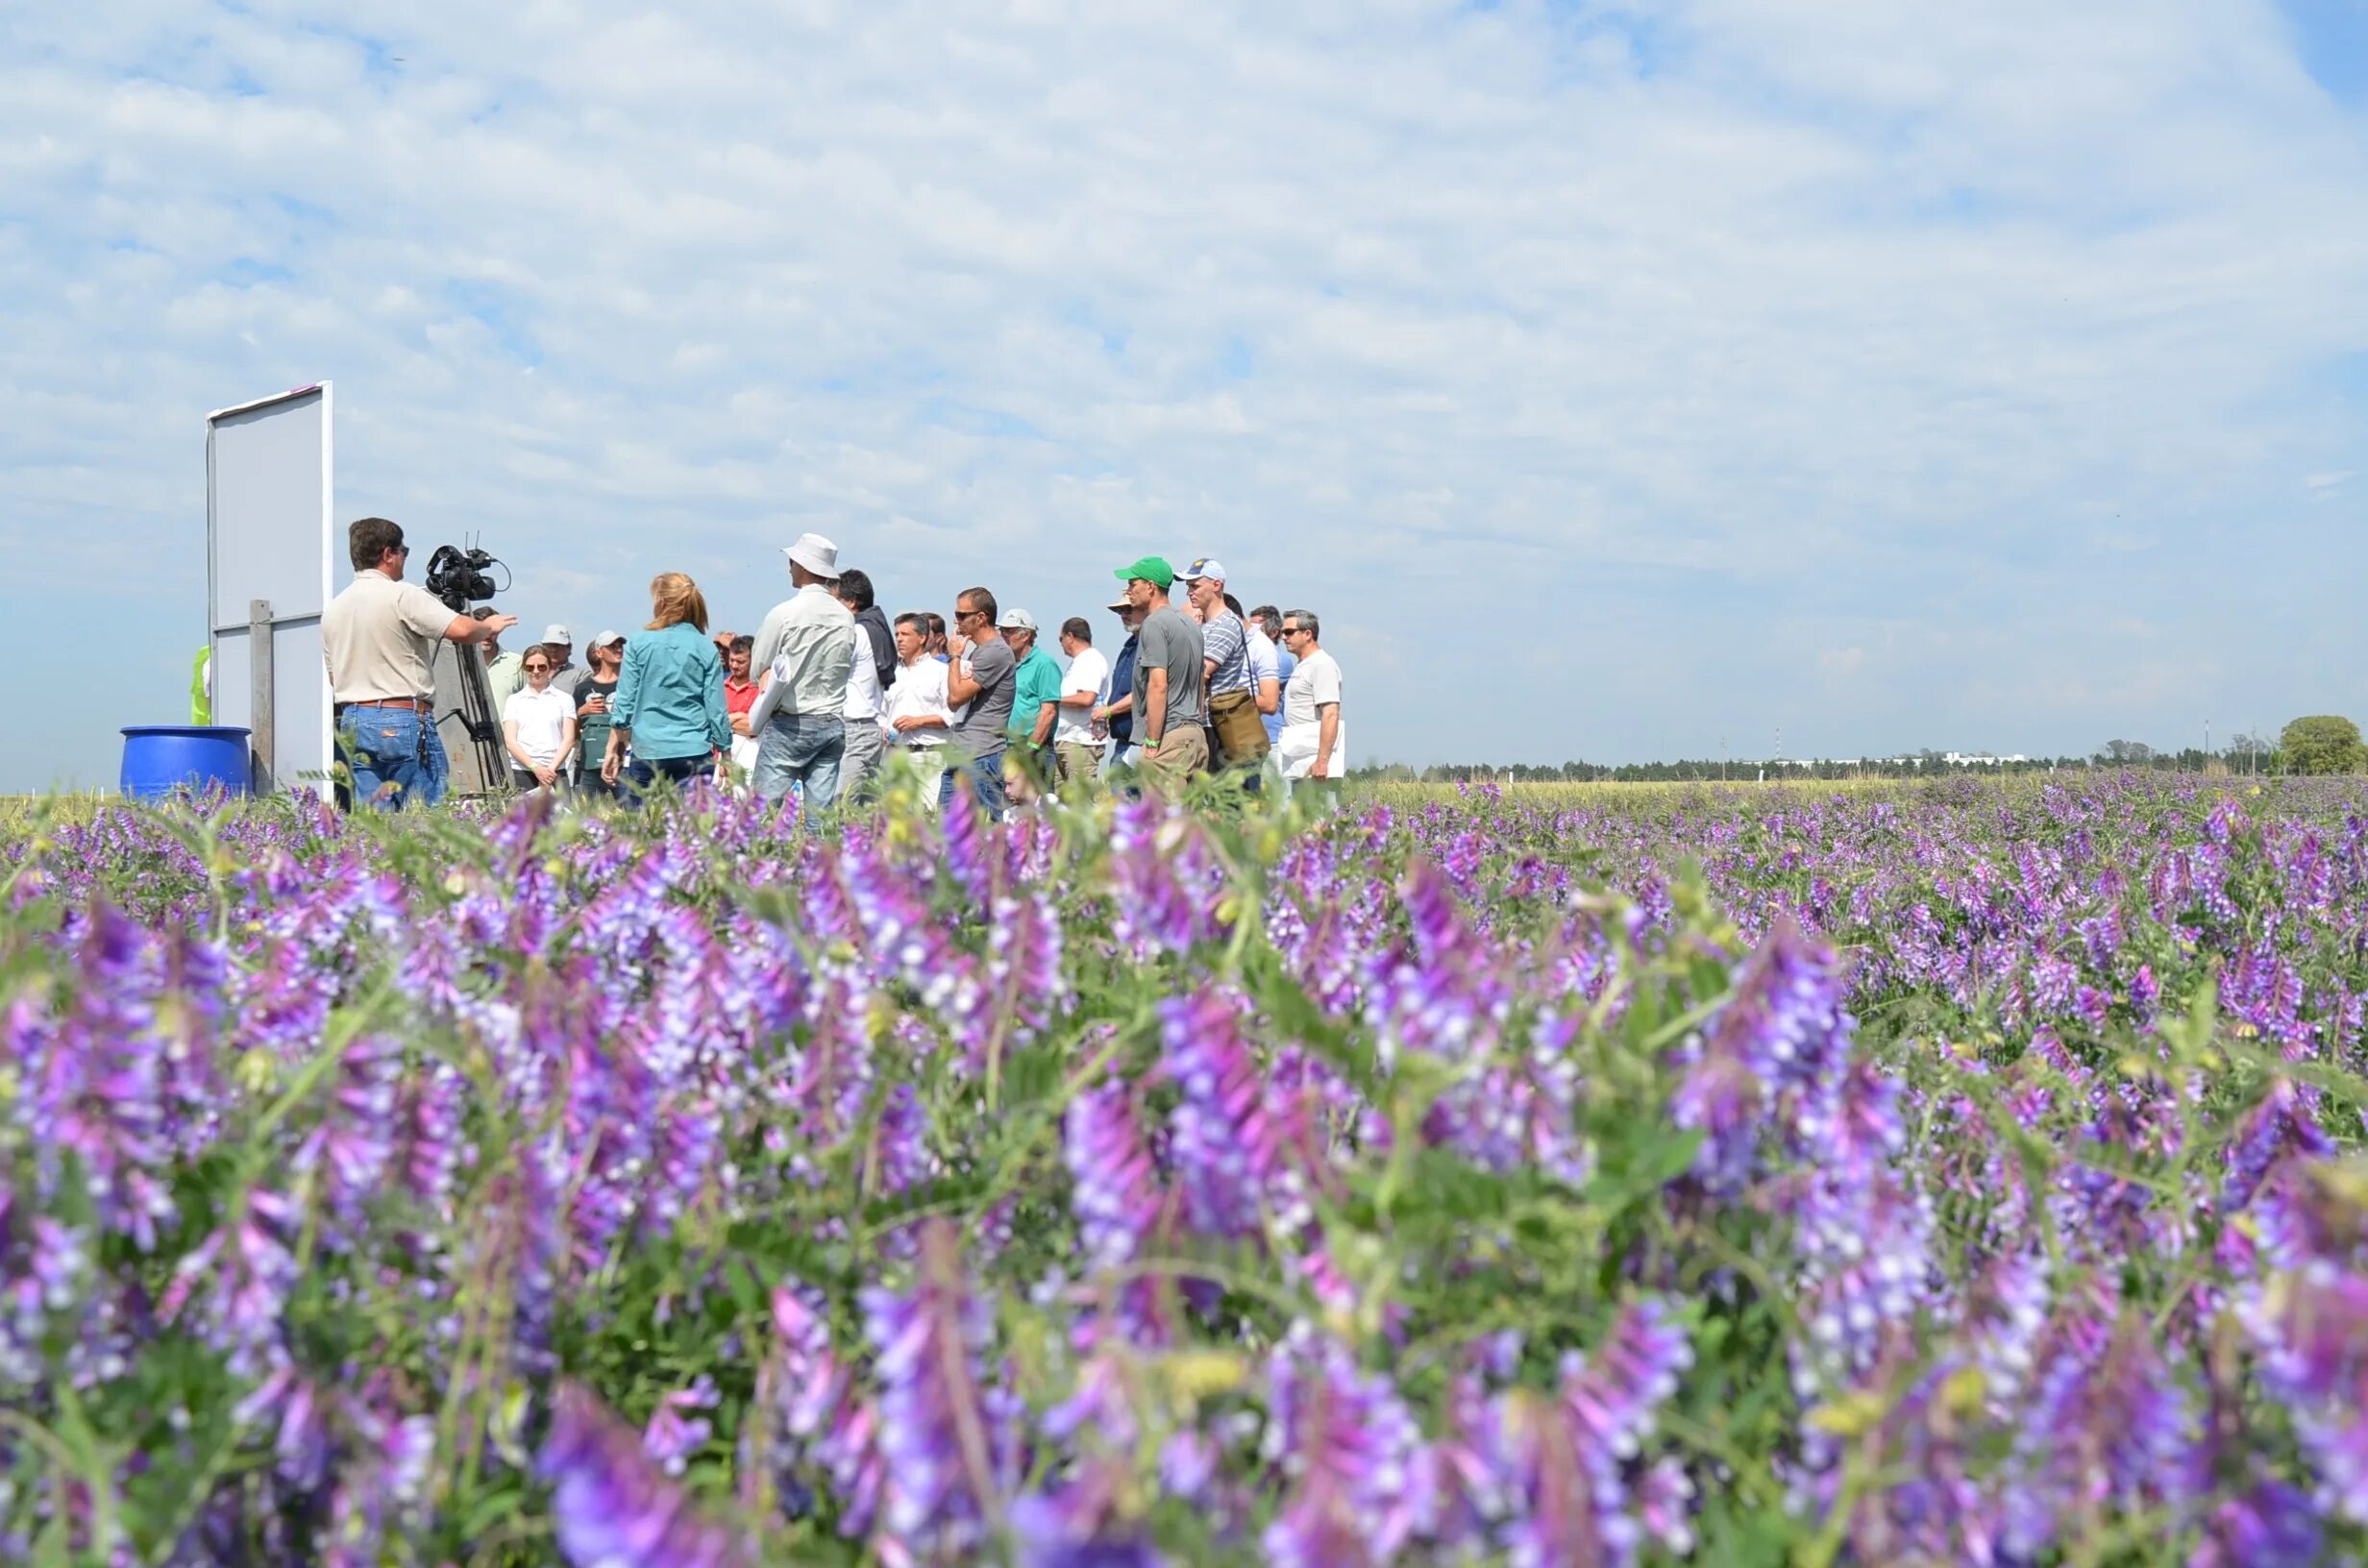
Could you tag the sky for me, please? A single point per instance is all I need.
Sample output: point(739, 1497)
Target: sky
point(1616, 382)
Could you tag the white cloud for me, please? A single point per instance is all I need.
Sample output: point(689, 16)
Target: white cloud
point(1833, 315)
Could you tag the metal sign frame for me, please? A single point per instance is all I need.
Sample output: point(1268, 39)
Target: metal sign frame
point(262, 630)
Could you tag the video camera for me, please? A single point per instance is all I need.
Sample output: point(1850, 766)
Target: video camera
point(458, 577)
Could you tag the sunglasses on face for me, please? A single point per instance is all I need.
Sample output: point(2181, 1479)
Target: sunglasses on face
point(538, 668)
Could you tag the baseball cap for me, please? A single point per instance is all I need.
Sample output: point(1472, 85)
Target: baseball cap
point(558, 634)
point(607, 637)
point(1205, 567)
point(1122, 604)
point(1016, 621)
point(1151, 570)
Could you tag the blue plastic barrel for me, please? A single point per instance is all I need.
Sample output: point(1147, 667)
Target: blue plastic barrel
point(159, 758)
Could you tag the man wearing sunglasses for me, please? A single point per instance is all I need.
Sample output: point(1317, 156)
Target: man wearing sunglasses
point(980, 682)
point(376, 638)
point(1313, 744)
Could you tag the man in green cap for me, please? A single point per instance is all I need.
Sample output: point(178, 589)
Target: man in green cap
point(1170, 746)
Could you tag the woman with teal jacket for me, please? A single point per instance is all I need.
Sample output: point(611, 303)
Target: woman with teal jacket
point(670, 696)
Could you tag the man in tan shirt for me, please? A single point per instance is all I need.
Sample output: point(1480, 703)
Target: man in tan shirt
point(377, 638)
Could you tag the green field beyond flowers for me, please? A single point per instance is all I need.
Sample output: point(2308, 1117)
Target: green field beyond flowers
point(1928, 1174)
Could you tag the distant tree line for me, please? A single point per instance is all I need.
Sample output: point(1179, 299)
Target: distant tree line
point(2318, 744)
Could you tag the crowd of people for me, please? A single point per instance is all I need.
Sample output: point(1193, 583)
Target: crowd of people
point(829, 686)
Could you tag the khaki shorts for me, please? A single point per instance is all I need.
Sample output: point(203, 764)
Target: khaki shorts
point(1080, 763)
point(1183, 752)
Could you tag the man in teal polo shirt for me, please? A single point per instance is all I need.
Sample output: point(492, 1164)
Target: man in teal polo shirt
point(1035, 706)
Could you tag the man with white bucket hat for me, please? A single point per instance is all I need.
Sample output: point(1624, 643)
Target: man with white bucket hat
point(804, 649)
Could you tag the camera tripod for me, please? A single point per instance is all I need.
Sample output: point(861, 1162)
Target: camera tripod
point(466, 720)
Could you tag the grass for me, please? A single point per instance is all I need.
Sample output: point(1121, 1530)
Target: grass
point(1557, 794)
point(20, 814)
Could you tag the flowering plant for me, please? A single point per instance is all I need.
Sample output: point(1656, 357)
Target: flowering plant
point(1940, 1175)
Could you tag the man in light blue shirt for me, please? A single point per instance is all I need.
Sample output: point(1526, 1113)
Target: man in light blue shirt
point(805, 649)
point(1270, 620)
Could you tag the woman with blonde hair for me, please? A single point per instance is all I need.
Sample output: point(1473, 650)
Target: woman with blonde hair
point(670, 696)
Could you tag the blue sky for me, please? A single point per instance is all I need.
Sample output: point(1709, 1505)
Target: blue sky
point(1613, 379)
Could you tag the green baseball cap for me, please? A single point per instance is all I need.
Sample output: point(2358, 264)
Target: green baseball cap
point(1151, 570)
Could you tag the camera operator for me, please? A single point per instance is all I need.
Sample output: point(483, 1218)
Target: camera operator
point(376, 638)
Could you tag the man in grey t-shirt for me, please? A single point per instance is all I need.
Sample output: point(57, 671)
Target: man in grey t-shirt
point(1172, 747)
point(979, 672)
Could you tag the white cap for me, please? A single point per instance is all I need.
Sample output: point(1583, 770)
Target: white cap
point(1016, 621)
point(1207, 566)
point(816, 553)
point(607, 637)
point(556, 633)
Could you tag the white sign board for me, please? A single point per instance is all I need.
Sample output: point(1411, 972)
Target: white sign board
point(269, 553)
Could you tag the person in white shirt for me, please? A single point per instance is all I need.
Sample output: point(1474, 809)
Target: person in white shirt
point(1077, 739)
point(868, 675)
point(539, 724)
point(1314, 745)
point(915, 713)
point(1266, 673)
point(804, 647)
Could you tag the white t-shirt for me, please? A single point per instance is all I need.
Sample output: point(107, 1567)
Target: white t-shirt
point(1088, 673)
point(919, 689)
point(1316, 682)
point(541, 718)
point(863, 692)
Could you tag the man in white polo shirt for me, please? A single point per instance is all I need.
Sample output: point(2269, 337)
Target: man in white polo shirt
point(1077, 739)
point(915, 713)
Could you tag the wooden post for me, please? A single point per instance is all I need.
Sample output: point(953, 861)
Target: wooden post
point(260, 706)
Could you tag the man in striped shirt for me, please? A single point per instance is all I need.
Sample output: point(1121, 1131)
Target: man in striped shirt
point(1233, 705)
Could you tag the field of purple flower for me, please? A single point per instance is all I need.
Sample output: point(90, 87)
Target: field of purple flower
point(1943, 1174)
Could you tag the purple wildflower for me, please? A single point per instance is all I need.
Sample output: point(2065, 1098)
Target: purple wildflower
point(612, 1507)
point(949, 1459)
point(817, 1417)
point(1360, 1479)
point(351, 1148)
point(2311, 1326)
point(1115, 1190)
point(674, 1433)
point(2108, 1426)
point(2273, 1524)
point(1563, 1459)
point(1230, 1149)
point(1770, 1061)
point(1078, 1525)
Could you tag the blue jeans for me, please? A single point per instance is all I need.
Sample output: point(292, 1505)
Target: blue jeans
point(982, 777)
point(801, 749)
point(638, 778)
point(395, 756)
